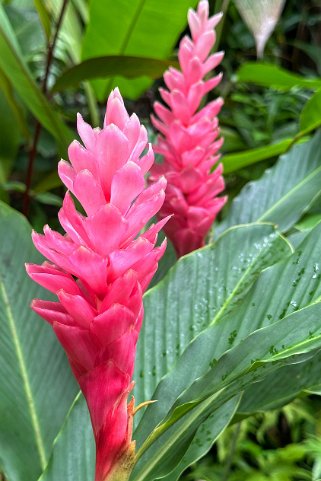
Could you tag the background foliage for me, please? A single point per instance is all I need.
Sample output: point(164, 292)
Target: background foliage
point(262, 266)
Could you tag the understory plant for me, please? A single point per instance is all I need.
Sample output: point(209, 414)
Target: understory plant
point(148, 379)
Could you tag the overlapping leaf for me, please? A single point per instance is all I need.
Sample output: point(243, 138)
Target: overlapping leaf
point(12, 63)
point(295, 282)
point(35, 378)
point(200, 289)
point(140, 33)
point(284, 192)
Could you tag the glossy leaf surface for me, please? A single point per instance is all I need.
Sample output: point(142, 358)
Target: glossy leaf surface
point(140, 33)
point(35, 381)
point(283, 193)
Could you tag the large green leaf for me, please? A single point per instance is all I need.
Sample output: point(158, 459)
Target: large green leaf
point(201, 288)
point(37, 388)
point(284, 192)
point(289, 287)
point(206, 435)
point(73, 455)
point(109, 66)
point(14, 66)
point(140, 32)
point(173, 317)
point(288, 341)
point(281, 387)
point(273, 76)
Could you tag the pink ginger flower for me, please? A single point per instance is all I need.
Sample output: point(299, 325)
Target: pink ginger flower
point(188, 137)
point(99, 271)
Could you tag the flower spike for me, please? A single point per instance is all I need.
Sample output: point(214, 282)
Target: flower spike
point(189, 137)
point(99, 270)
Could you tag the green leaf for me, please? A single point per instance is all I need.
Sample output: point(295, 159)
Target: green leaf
point(308, 222)
point(281, 387)
point(283, 193)
point(274, 77)
point(15, 106)
point(201, 288)
point(36, 384)
point(140, 33)
point(236, 161)
point(44, 17)
point(73, 456)
point(310, 116)
point(109, 66)
point(170, 318)
point(206, 436)
point(167, 261)
point(9, 138)
point(12, 63)
point(251, 360)
point(291, 288)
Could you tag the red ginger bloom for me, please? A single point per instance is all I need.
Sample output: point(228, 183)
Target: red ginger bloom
point(100, 269)
point(189, 137)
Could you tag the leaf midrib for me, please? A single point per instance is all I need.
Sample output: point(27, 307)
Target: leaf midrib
point(226, 303)
point(288, 194)
point(127, 37)
point(25, 377)
point(178, 432)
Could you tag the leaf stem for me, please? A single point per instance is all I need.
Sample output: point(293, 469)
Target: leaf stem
point(38, 126)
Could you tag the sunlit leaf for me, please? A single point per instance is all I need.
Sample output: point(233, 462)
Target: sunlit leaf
point(140, 33)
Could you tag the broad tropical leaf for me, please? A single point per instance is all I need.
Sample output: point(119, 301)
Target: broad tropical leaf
point(283, 193)
point(140, 33)
point(281, 387)
point(201, 288)
point(205, 436)
point(109, 66)
point(273, 76)
point(12, 63)
point(290, 287)
point(76, 438)
point(289, 341)
point(37, 387)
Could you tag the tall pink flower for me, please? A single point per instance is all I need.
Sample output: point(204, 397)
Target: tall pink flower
point(188, 137)
point(99, 270)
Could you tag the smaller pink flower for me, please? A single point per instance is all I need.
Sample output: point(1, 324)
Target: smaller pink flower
point(189, 138)
point(99, 271)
